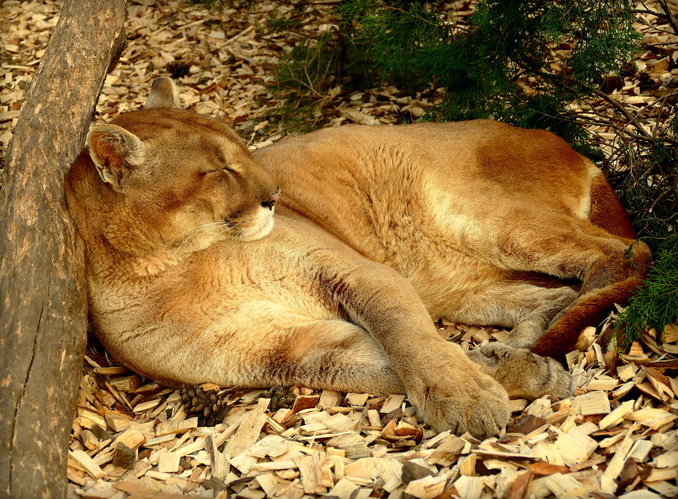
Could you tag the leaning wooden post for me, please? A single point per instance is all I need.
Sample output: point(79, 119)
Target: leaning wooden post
point(43, 315)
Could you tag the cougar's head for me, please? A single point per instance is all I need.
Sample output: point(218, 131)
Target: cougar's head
point(169, 178)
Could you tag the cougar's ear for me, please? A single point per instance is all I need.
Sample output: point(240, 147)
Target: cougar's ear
point(163, 94)
point(115, 153)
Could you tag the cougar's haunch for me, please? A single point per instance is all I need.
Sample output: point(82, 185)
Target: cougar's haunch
point(377, 230)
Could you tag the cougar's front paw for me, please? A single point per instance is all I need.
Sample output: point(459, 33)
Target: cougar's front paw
point(524, 374)
point(477, 404)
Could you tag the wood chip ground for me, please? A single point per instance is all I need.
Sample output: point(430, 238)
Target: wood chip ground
point(616, 437)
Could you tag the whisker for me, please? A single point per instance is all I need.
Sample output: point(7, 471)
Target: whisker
point(198, 228)
point(227, 227)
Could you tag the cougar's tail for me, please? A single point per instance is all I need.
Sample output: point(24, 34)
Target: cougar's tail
point(589, 310)
point(594, 303)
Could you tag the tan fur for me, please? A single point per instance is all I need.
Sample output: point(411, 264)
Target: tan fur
point(377, 230)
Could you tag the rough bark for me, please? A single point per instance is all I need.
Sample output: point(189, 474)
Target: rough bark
point(42, 295)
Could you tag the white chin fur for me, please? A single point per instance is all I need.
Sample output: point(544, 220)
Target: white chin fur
point(261, 229)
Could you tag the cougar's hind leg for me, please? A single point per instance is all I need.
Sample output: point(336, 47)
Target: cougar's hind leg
point(609, 267)
point(520, 303)
point(611, 278)
point(532, 326)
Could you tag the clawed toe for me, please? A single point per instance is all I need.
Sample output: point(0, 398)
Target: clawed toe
point(480, 407)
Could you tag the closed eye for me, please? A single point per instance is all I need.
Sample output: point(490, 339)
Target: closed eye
point(219, 163)
point(222, 169)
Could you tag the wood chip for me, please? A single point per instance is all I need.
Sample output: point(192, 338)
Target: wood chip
point(87, 464)
point(430, 487)
point(316, 477)
point(176, 427)
point(392, 403)
point(575, 446)
point(168, 462)
point(595, 402)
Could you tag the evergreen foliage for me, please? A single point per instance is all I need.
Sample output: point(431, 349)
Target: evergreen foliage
point(649, 189)
point(656, 304)
point(500, 64)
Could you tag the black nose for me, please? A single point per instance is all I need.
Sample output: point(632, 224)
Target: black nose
point(270, 202)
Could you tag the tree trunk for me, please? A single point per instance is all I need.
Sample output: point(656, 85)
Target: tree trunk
point(43, 315)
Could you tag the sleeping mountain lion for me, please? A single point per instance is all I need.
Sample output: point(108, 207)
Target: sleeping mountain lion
point(377, 230)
